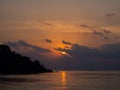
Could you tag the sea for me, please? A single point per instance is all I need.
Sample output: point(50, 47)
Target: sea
point(63, 80)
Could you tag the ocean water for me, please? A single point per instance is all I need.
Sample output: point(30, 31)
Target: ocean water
point(63, 80)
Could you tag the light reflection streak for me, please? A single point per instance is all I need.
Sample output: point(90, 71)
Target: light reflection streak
point(63, 78)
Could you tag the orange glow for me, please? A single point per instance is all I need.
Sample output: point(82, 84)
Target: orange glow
point(63, 80)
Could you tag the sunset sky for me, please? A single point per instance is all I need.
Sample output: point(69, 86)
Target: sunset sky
point(63, 34)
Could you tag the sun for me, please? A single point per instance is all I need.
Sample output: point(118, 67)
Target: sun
point(64, 53)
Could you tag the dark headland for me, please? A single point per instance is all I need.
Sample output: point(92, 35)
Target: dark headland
point(14, 63)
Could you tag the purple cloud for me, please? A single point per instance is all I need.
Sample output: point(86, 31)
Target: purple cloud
point(24, 44)
point(107, 57)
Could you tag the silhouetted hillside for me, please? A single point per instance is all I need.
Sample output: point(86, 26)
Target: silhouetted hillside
point(13, 63)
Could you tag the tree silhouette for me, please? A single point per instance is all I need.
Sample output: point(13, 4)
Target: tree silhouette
point(14, 63)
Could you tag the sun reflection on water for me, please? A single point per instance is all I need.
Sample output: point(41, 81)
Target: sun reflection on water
point(63, 78)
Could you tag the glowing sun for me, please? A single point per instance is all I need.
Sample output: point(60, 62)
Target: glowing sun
point(64, 53)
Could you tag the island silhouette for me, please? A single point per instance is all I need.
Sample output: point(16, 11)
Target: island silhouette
point(14, 63)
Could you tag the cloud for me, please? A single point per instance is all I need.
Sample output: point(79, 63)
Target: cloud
point(89, 27)
point(113, 19)
point(110, 14)
point(66, 42)
point(106, 31)
point(48, 40)
point(46, 23)
point(97, 33)
point(116, 37)
point(107, 50)
point(60, 49)
point(111, 51)
point(93, 29)
point(103, 33)
point(66, 47)
point(106, 37)
point(106, 57)
point(24, 44)
point(85, 26)
point(78, 51)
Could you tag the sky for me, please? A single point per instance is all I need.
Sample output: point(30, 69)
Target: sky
point(64, 34)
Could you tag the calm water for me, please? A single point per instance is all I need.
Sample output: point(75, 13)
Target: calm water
point(63, 80)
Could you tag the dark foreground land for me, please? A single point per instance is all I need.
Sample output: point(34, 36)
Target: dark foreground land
point(13, 63)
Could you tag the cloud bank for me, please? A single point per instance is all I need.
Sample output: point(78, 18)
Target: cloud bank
point(106, 57)
point(27, 49)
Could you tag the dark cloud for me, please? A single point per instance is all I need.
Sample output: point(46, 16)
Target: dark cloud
point(97, 33)
point(106, 37)
point(24, 44)
point(66, 42)
point(105, 50)
point(110, 14)
point(89, 27)
point(111, 51)
point(48, 40)
point(106, 31)
point(103, 33)
point(107, 57)
point(46, 23)
point(78, 51)
point(113, 19)
point(66, 47)
point(60, 49)
point(116, 37)
point(85, 26)
point(93, 29)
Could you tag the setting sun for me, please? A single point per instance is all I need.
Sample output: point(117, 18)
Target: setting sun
point(64, 53)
